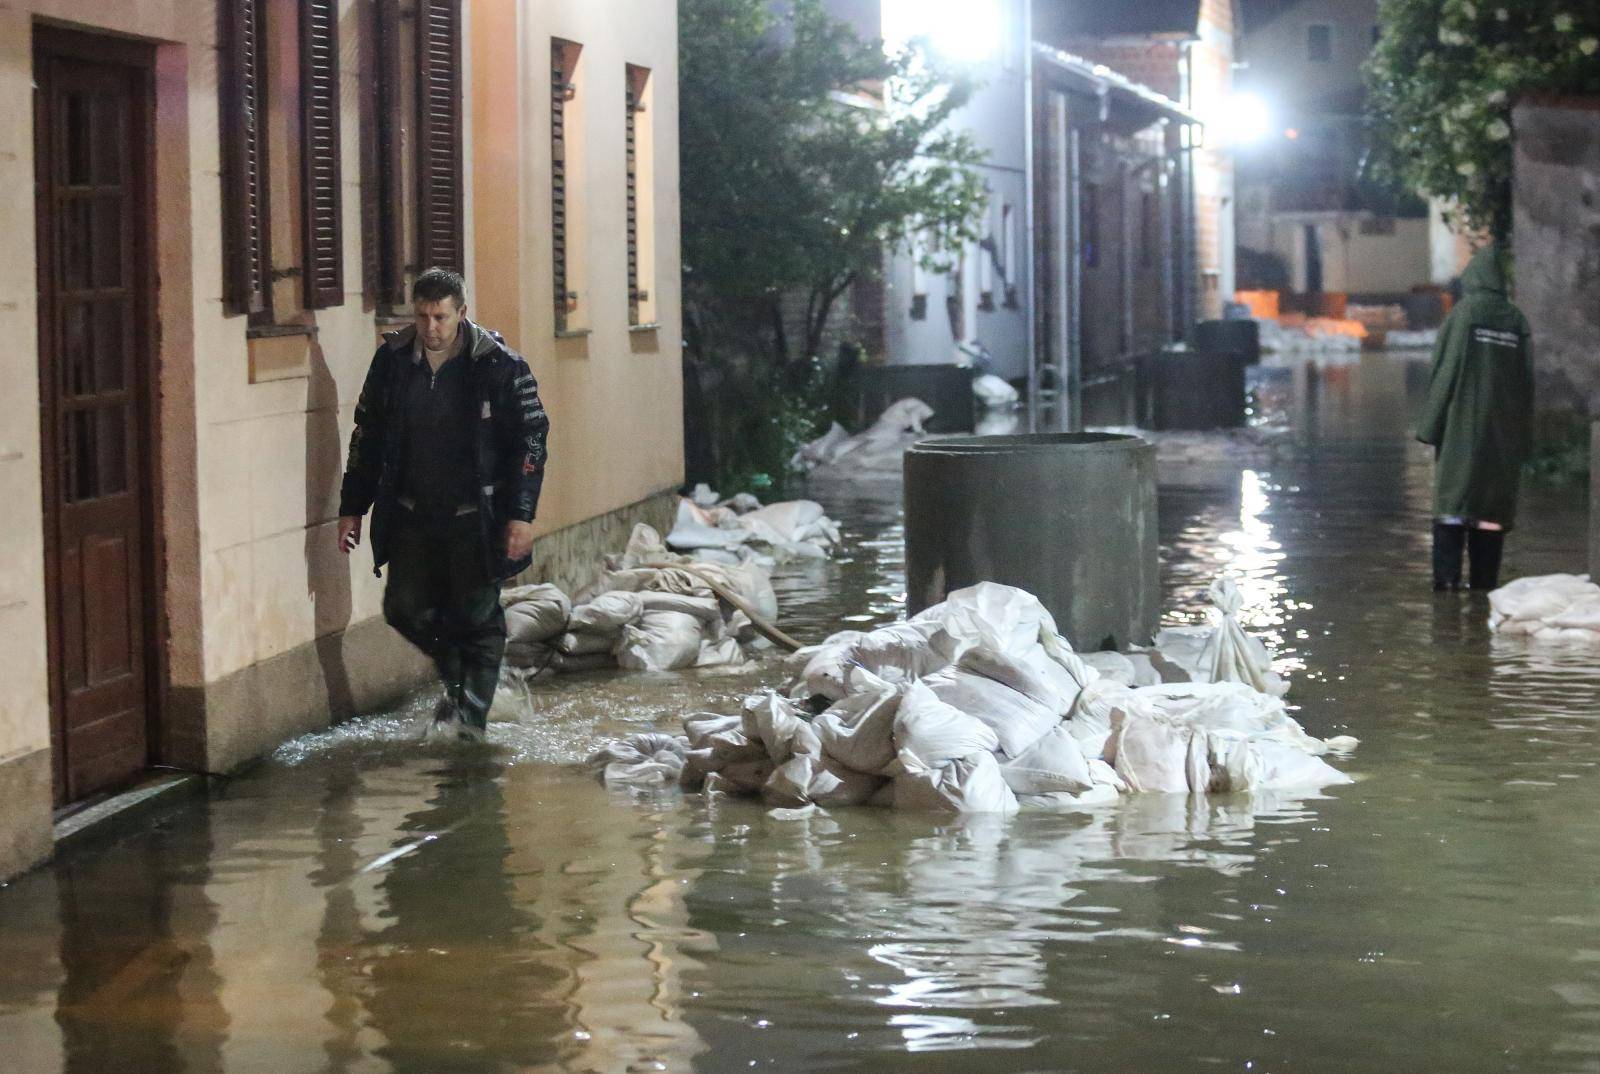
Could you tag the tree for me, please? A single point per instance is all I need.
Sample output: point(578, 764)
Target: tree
point(1444, 76)
point(794, 177)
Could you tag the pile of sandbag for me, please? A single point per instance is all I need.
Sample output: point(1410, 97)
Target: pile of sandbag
point(977, 705)
point(718, 530)
point(1549, 607)
point(651, 610)
point(875, 453)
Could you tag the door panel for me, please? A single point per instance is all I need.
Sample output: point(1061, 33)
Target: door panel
point(94, 378)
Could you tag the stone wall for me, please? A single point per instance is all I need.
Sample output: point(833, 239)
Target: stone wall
point(1557, 247)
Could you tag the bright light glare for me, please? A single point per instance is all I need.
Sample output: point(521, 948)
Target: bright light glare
point(1246, 119)
point(963, 30)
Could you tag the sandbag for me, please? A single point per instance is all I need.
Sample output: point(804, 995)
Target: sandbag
point(1285, 768)
point(858, 732)
point(535, 612)
point(775, 722)
point(531, 655)
point(971, 784)
point(642, 759)
point(660, 641)
point(994, 616)
point(561, 662)
point(606, 614)
point(1550, 608)
point(1018, 706)
point(699, 727)
point(1150, 754)
point(1054, 764)
point(704, 608)
point(929, 733)
point(724, 652)
point(583, 644)
point(1231, 655)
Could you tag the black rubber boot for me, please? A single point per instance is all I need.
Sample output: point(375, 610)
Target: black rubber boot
point(477, 694)
point(1449, 542)
point(1484, 548)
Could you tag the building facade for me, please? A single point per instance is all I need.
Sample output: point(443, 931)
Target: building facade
point(216, 208)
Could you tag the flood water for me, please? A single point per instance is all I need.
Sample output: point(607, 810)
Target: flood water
point(364, 904)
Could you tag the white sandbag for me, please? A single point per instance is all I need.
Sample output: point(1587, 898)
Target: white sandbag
point(991, 391)
point(641, 760)
point(699, 727)
point(995, 616)
point(1235, 766)
point(825, 667)
point(832, 784)
point(583, 644)
point(775, 722)
point(1549, 608)
point(660, 641)
point(1106, 776)
point(606, 614)
point(724, 652)
point(1098, 795)
point(971, 784)
point(787, 520)
point(1231, 655)
point(741, 778)
point(704, 496)
point(897, 653)
point(822, 450)
point(561, 662)
point(692, 528)
point(1054, 764)
point(1150, 754)
point(529, 655)
point(983, 684)
point(858, 732)
point(1125, 669)
point(1285, 768)
point(535, 612)
point(929, 733)
point(704, 608)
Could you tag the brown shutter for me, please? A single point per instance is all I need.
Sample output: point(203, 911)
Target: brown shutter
point(439, 180)
point(636, 79)
point(563, 63)
point(321, 179)
point(384, 201)
point(246, 236)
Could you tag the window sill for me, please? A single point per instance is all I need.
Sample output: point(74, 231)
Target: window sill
point(653, 326)
point(574, 333)
point(278, 331)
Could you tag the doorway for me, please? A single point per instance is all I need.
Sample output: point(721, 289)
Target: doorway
point(93, 152)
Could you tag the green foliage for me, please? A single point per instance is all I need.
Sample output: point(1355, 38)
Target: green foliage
point(1444, 76)
point(1561, 451)
point(766, 423)
point(793, 178)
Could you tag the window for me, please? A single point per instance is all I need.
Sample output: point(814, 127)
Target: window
point(259, 90)
point(1008, 253)
point(566, 164)
point(1319, 43)
point(246, 215)
point(641, 197)
point(412, 186)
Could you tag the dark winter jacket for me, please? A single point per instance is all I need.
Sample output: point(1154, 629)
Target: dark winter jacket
point(509, 425)
point(1479, 410)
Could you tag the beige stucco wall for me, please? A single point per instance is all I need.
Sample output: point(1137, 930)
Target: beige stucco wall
point(615, 397)
point(251, 470)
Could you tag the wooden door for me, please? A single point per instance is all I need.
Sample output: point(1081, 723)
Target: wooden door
point(91, 138)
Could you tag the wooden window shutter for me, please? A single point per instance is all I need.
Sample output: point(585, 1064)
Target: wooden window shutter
point(320, 158)
point(563, 64)
point(637, 78)
point(246, 215)
point(439, 178)
point(384, 197)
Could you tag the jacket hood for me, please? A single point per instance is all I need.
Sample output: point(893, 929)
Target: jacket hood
point(480, 341)
point(1486, 271)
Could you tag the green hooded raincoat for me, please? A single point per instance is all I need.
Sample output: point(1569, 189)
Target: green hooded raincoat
point(1479, 410)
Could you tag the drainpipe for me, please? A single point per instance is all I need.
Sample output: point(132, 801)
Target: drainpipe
point(1029, 292)
point(1071, 403)
point(1125, 263)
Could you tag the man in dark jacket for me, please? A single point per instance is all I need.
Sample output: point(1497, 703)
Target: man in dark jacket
point(1479, 414)
point(448, 453)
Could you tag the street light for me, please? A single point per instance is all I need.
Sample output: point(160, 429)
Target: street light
point(963, 30)
point(1244, 118)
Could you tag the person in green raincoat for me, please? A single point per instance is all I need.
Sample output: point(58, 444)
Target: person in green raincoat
point(1479, 417)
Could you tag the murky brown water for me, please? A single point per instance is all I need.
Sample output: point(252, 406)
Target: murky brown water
point(362, 904)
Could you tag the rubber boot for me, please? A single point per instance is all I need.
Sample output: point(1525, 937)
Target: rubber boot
point(1449, 542)
point(477, 694)
point(1484, 548)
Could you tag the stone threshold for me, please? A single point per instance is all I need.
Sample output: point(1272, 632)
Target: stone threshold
point(112, 814)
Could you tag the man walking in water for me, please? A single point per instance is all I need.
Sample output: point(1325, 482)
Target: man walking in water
point(1479, 415)
point(448, 453)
